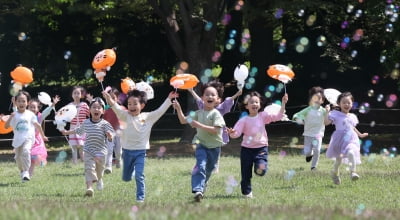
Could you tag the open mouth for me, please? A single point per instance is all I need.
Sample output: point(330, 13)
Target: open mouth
point(210, 101)
point(96, 114)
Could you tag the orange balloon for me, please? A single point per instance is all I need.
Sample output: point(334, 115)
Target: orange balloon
point(189, 81)
point(280, 72)
point(3, 120)
point(104, 59)
point(23, 75)
point(127, 85)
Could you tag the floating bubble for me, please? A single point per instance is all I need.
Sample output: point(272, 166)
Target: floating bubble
point(62, 154)
point(354, 53)
point(271, 88)
point(67, 55)
point(150, 79)
point(375, 79)
point(344, 25)
point(192, 114)
point(282, 154)
point(321, 41)
point(22, 36)
point(290, 174)
point(282, 46)
point(216, 56)
point(372, 124)
point(389, 27)
point(358, 34)
point(88, 73)
point(395, 74)
point(370, 93)
point(311, 20)
point(358, 13)
point(382, 59)
point(300, 13)
point(393, 97)
point(371, 158)
point(390, 9)
point(239, 5)
point(350, 8)
point(226, 19)
point(268, 94)
point(366, 146)
point(278, 13)
point(161, 152)
point(393, 151)
point(379, 98)
point(360, 209)
point(208, 26)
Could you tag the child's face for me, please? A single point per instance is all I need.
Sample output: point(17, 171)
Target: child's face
point(96, 111)
point(316, 100)
point(76, 95)
point(22, 102)
point(210, 98)
point(253, 105)
point(346, 104)
point(34, 107)
point(134, 106)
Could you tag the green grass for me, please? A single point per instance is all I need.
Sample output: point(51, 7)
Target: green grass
point(56, 192)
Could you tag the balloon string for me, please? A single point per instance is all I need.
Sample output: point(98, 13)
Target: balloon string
point(101, 83)
point(176, 90)
point(237, 100)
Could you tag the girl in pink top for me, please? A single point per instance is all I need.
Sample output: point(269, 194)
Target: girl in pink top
point(77, 141)
point(254, 150)
point(38, 150)
point(344, 144)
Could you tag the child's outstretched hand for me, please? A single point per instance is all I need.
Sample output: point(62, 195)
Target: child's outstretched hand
point(230, 131)
point(176, 105)
point(328, 108)
point(173, 95)
point(109, 135)
point(363, 135)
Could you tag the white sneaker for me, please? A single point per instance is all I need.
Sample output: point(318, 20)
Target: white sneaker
point(108, 170)
point(354, 176)
point(89, 192)
point(249, 196)
point(25, 176)
point(100, 184)
point(118, 164)
point(198, 196)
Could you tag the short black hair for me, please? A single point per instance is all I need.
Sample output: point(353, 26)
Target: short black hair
point(142, 96)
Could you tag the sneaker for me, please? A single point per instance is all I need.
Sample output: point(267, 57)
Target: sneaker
point(25, 176)
point(89, 192)
point(354, 176)
point(248, 196)
point(108, 170)
point(140, 201)
point(313, 169)
point(117, 164)
point(100, 184)
point(308, 158)
point(198, 196)
point(335, 178)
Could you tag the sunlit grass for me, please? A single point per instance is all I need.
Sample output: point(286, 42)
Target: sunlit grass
point(288, 191)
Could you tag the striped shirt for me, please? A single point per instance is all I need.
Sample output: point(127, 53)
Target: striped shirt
point(96, 138)
point(83, 113)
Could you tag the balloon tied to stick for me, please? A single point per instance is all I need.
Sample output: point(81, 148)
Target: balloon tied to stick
point(280, 72)
point(102, 63)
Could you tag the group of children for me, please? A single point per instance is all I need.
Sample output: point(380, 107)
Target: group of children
point(96, 133)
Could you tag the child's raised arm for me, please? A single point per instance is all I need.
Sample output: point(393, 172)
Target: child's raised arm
point(194, 94)
point(237, 94)
point(108, 98)
point(285, 99)
point(179, 112)
point(361, 135)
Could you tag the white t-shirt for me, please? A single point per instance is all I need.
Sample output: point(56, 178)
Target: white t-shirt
point(23, 127)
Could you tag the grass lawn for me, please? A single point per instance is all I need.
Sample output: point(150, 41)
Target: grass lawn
point(288, 191)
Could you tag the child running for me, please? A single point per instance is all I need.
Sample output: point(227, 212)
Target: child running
point(344, 143)
point(24, 123)
point(209, 124)
point(115, 145)
point(254, 150)
point(136, 135)
point(77, 141)
point(223, 108)
point(38, 151)
point(97, 131)
point(313, 118)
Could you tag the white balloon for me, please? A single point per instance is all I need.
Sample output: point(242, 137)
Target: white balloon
point(241, 72)
point(331, 95)
point(64, 115)
point(145, 87)
point(44, 98)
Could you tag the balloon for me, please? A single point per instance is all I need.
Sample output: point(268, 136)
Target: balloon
point(280, 72)
point(44, 98)
point(64, 115)
point(127, 85)
point(3, 120)
point(272, 109)
point(145, 87)
point(331, 95)
point(21, 77)
point(189, 81)
point(102, 62)
point(104, 59)
point(241, 72)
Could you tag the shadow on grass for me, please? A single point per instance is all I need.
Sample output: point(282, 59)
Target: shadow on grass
point(68, 174)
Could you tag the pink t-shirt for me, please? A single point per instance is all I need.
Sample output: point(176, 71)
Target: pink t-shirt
point(253, 129)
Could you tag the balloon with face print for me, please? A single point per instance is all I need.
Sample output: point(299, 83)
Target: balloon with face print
point(102, 62)
point(64, 115)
